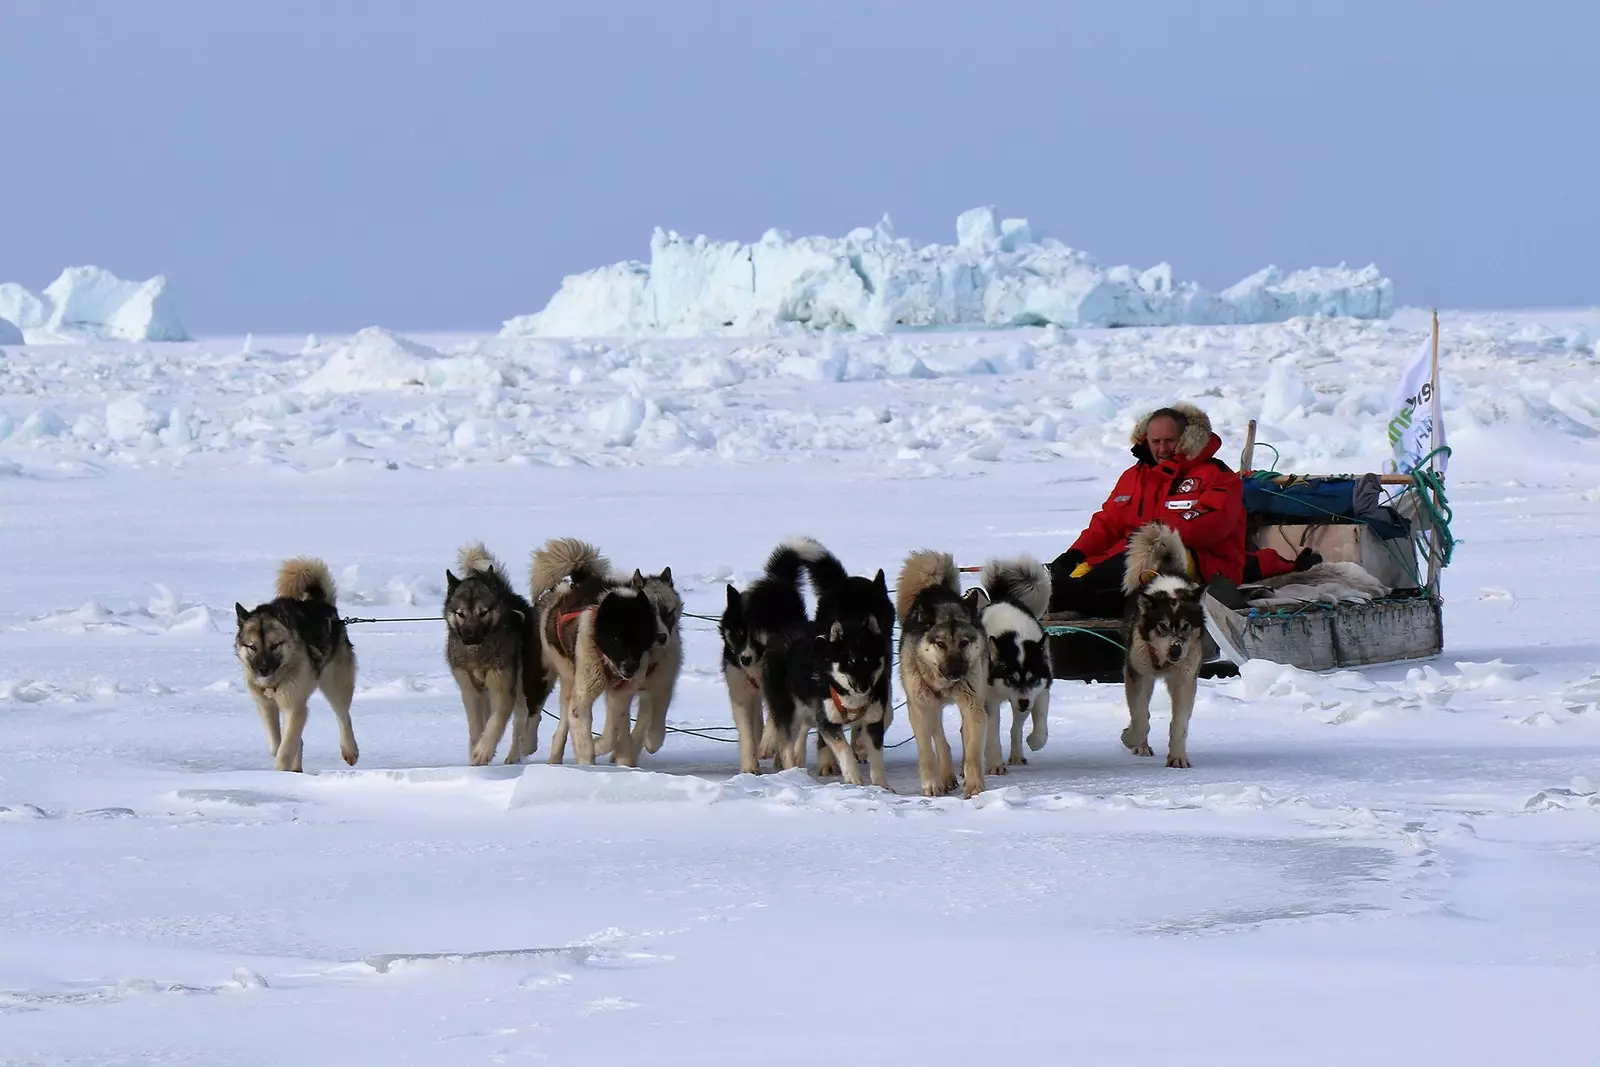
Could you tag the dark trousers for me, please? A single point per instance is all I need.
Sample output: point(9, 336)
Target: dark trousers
point(1097, 595)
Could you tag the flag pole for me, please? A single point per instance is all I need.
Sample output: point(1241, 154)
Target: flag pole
point(1433, 459)
point(1433, 442)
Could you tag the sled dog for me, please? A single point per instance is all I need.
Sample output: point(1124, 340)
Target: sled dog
point(596, 633)
point(492, 647)
point(1018, 593)
point(1162, 632)
point(943, 660)
point(292, 646)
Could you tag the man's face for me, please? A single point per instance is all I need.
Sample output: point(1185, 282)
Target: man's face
point(1162, 437)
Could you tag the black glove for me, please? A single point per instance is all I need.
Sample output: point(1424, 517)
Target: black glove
point(1062, 566)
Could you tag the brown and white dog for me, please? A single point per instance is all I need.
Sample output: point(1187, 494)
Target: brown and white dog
point(290, 647)
point(943, 660)
point(1163, 631)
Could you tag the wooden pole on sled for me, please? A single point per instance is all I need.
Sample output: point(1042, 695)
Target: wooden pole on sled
point(1433, 459)
point(1247, 457)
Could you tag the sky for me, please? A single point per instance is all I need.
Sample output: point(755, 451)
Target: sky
point(333, 164)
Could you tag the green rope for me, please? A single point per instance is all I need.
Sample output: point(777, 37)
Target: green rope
point(1429, 485)
point(1056, 629)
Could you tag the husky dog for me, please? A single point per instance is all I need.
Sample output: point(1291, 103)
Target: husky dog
point(663, 665)
point(597, 634)
point(492, 646)
point(1162, 631)
point(752, 621)
point(833, 672)
point(944, 659)
point(1018, 593)
point(292, 646)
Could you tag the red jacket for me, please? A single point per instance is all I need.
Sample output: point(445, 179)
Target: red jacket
point(1197, 495)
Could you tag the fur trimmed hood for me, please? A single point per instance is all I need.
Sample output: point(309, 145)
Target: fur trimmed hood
point(1194, 440)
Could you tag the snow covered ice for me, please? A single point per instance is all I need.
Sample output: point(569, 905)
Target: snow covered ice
point(91, 303)
point(997, 274)
point(1391, 866)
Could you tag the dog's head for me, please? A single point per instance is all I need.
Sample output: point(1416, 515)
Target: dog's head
point(474, 608)
point(1018, 657)
point(264, 643)
point(854, 656)
point(741, 644)
point(668, 604)
point(950, 643)
point(1168, 619)
point(625, 628)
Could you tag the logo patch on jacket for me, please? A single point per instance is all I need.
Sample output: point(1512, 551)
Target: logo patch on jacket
point(1179, 505)
point(1188, 485)
point(1122, 499)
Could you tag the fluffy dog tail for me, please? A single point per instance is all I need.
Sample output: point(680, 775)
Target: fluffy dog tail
point(476, 559)
point(805, 553)
point(306, 578)
point(565, 557)
point(1154, 551)
point(1023, 581)
point(922, 570)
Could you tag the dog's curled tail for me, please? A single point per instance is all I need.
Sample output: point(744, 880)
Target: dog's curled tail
point(922, 570)
point(806, 554)
point(476, 559)
point(306, 578)
point(1022, 580)
point(1153, 551)
point(565, 557)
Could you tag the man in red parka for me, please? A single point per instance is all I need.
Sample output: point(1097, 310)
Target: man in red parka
point(1177, 480)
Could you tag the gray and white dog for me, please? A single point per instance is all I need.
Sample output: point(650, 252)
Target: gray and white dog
point(1018, 594)
point(292, 646)
point(492, 647)
point(1162, 630)
point(943, 660)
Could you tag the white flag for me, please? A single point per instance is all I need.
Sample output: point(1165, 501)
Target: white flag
point(1411, 415)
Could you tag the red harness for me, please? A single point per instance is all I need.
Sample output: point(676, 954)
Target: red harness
point(605, 662)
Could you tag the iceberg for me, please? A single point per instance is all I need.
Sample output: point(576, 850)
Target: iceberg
point(996, 275)
point(92, 303)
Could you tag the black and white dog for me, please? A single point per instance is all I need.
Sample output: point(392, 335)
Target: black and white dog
point(834, 673)
point(753, 620)
point(1018, 594)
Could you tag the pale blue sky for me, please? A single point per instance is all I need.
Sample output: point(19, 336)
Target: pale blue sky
point(327, 164)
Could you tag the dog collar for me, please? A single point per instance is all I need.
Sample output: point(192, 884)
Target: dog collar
point(838, 705)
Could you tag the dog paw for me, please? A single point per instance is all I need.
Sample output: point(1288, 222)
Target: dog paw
point(1138, 746)
point(972, 788)
point(936, 789)
point(482, 758)
point(998, 768)
point(1177, 761)
point(350, 754)
point(1036, 742)
point(1019, 760)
